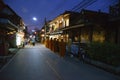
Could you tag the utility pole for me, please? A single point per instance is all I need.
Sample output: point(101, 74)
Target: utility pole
point(45, 27)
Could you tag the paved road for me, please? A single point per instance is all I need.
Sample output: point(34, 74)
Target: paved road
point(39, 63)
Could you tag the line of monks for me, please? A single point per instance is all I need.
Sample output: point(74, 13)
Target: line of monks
point(57, 46)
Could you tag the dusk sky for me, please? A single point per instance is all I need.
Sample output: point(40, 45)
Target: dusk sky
point(50, 9)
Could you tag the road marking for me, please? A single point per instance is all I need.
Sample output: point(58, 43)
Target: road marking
point(56, 73)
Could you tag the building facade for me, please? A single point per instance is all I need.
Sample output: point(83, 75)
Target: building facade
point(86, 26)
point(9, 28)
point(114, 22)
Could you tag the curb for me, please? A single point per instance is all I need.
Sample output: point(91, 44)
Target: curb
point(109, 68)
point(5, 59)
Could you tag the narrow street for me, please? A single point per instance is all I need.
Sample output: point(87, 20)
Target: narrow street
point(39, 63)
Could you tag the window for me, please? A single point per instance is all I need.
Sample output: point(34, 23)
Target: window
point(67, 22)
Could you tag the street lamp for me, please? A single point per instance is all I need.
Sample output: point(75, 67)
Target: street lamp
point(34, 18)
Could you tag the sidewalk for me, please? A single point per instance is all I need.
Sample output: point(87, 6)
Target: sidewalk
point(5, 59)
point(98, 64)
point(106, 67)
point(12, 52)
point(103, 66)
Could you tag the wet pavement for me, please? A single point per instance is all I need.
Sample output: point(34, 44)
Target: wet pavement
point(39, 63)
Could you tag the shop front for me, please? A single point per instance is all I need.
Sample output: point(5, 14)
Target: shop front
point(19, 39)
point(6, 29)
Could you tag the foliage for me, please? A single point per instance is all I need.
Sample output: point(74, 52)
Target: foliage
point(106, 52)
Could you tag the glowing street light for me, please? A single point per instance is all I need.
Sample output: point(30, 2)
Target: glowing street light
point(34, 18)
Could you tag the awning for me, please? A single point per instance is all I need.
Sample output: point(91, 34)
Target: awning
point(57, 32)
point(76, 26)
point(72, 27)
point(7, 24)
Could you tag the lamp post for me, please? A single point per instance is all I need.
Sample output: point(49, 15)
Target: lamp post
point(34, 19)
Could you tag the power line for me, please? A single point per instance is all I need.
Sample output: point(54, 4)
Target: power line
point(57, 8)
point(78, 7)
point(83, 4)
point(111, 2)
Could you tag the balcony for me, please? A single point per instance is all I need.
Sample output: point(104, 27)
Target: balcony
point(6, 24)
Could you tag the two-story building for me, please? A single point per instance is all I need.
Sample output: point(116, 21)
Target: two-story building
point(86, 26)
point(10, 25)
point(64, 20)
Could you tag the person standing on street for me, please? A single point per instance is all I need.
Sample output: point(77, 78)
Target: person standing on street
point(33, 40)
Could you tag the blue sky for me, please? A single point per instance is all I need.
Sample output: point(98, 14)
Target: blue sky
point(49, 9)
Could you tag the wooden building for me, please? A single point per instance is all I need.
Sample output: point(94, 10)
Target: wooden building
point(64, 20)
point(114, 23)
point(10, 24)
point(87, 26)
